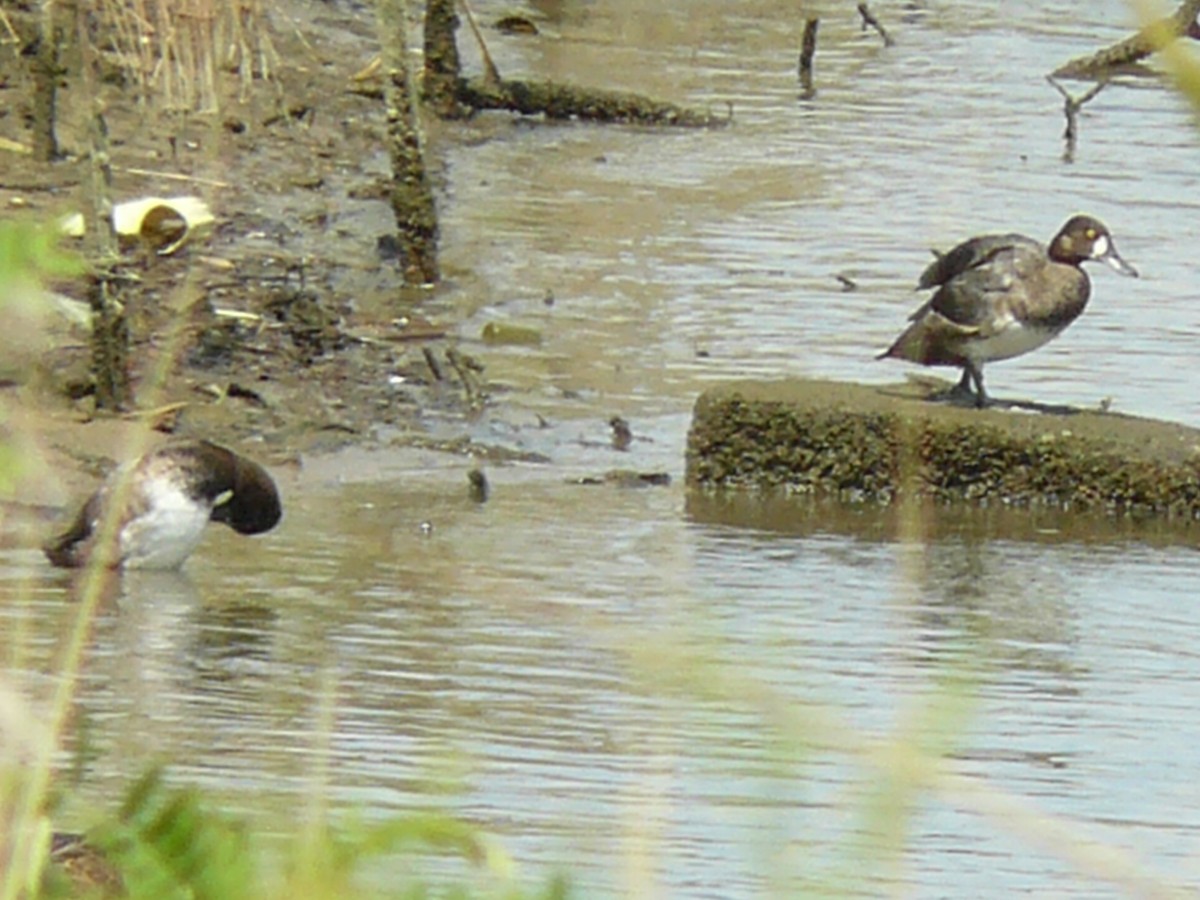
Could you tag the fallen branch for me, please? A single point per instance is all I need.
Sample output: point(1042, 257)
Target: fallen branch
point(451, 95)
point(1181, 23)
point(157, 412)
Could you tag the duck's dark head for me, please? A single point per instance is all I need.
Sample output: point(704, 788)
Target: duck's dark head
point(1084, 238)
point(244, 495)
point(253, 506)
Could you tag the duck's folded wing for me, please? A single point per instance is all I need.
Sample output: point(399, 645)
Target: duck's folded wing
point(931, 339)
point(981, 296)
point(973, 254)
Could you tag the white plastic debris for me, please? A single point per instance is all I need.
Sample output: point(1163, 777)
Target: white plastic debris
point(165, 223)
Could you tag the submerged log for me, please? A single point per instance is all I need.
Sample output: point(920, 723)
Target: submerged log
point(1137, 47)
point(863, 442)
point(451, 95)
point(563, 101)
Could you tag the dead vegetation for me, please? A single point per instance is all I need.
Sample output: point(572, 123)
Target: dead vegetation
point(172, 53)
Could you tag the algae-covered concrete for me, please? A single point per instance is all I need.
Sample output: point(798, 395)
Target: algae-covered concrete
point(875, 442)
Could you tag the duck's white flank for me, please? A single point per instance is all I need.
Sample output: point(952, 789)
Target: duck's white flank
point(168, 528)
point(1011, 338)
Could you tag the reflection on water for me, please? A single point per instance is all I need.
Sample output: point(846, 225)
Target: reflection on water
point(509, 644)
point(505, 641)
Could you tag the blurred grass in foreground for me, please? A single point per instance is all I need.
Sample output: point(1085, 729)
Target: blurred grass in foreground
point(1180, 55)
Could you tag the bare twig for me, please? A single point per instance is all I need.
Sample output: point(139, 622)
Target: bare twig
point(491, 75)
point(1071, 107)
point(174, 176)
point(868, 19)
point(434, 366)
point(13, 37)
point(463, 366)
point(808, 49)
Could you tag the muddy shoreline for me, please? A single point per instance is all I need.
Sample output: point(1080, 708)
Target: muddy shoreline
point(285, 332)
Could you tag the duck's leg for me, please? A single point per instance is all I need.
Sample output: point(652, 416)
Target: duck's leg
point(972, 374)
point(962, 390)
point(975, 373)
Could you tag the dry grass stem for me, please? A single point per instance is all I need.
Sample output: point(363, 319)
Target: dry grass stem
point(172, 51)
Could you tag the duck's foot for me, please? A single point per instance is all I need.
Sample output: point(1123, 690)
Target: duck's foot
point(974, 373)
point(963, 394)
point(957, 396)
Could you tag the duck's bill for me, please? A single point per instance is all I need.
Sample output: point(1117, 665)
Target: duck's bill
point(1119, 264)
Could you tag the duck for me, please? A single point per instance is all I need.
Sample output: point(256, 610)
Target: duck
point(166, 497)
point(1002, 295)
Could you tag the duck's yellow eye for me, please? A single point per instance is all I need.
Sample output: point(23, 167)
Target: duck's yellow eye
point(1090, 234)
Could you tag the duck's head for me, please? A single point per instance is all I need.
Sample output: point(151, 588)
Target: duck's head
point(249, 504)
point(1084, 238)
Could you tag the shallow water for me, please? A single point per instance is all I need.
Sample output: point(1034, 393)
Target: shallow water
point(729, 241)
point(568, 665)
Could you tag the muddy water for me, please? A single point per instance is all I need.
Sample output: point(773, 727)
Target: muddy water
point(503, 660)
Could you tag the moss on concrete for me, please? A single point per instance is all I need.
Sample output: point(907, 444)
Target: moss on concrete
point(871, 443)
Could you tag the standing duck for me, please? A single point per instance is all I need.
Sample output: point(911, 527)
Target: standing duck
point(167, 496)
point(1002, 295)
